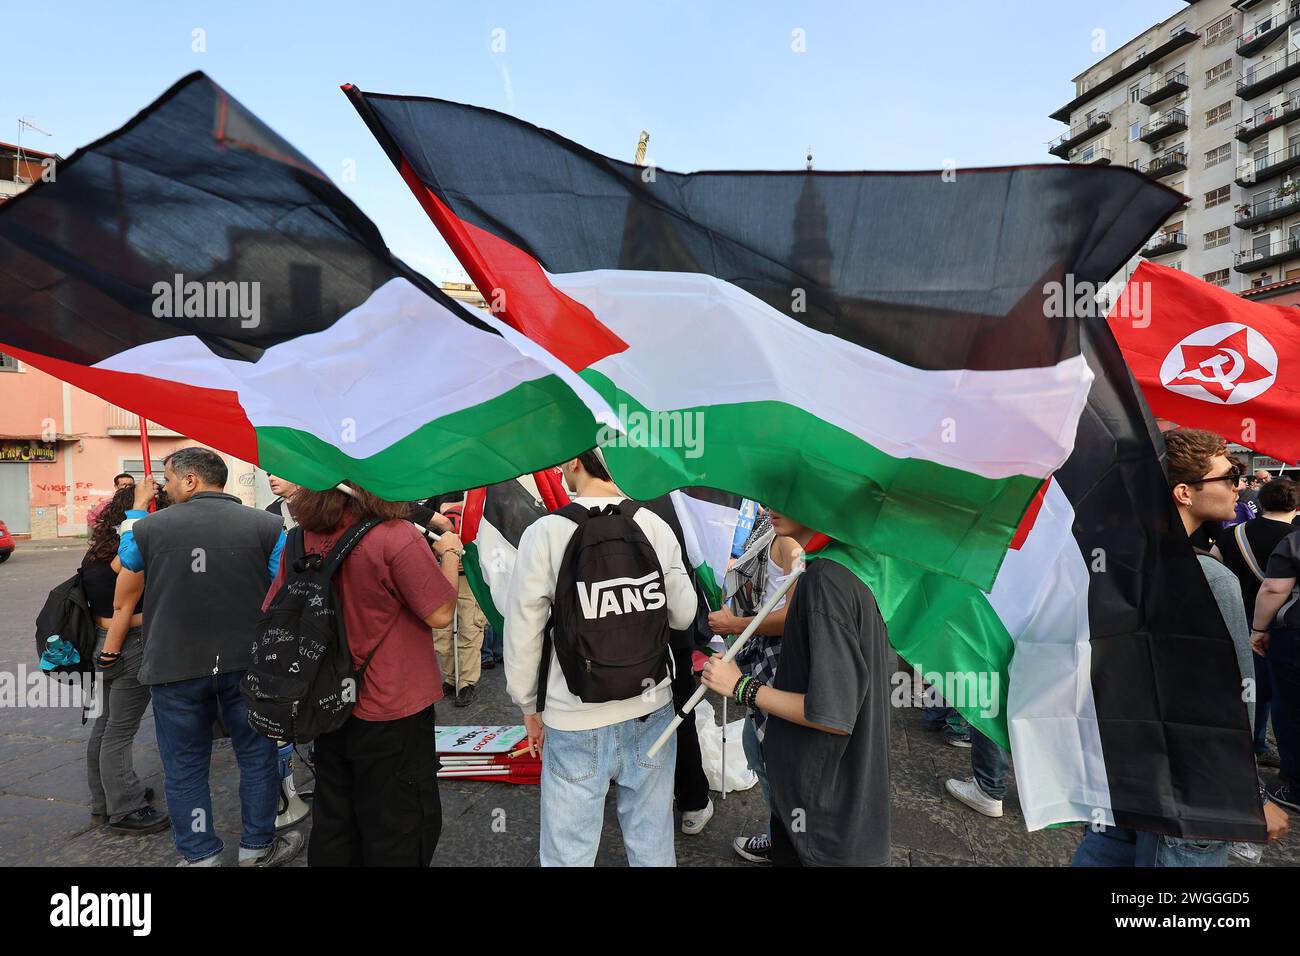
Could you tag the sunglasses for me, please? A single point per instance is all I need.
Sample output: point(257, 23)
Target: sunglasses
point(1233, 476)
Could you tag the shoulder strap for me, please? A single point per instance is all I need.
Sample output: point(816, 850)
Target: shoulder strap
point(628, 508)
point(345, 544)
point(1239, 532)
point(294, 547)
point(544, 669)
point(574, 512)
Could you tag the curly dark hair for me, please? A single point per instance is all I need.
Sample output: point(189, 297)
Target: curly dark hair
point(103, 533)
point(104, 538)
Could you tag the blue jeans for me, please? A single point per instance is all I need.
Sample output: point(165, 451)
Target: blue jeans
point(1284, 678)
point(754, 754)
point(988, 762)
point(493, 649)
point(183, 715)
point(1116, 846)
point(577, 769)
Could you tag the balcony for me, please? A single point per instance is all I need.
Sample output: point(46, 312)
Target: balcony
point(1164, 244)
point(1166, 165)
point(1266, 31)
point(1269, 208)
point(1274, 164)
point(1139, 66)
point(1172, 83)
point(1257, 79)
point(1252, 260)
point(1062, 145)
point(1098, 156)
point(1174, 121)
point(1267, 118)
point(118, 421)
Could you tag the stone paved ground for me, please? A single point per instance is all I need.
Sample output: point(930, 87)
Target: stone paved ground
point(45, 813)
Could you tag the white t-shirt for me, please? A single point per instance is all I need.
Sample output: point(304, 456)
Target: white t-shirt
point(532, 590)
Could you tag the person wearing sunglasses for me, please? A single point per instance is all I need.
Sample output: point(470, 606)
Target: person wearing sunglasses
point(1203, 483)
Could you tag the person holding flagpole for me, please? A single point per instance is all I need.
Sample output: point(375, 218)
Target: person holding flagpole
point(826, 745)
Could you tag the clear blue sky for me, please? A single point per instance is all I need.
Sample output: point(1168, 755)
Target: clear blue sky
point(717, 84)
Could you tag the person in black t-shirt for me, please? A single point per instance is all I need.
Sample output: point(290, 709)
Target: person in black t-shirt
point(117, 796)
point(826, 747)
point(1278, 501)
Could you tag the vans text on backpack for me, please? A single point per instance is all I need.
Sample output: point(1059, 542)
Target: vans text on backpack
point(609, 619)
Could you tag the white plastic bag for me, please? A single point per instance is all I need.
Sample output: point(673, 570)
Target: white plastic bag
point(739, 774)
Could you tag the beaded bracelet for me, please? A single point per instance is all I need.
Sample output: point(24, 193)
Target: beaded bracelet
point(751, 692)
point(738, 692)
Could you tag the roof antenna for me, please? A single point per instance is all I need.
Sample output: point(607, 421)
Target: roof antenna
point(810, 159)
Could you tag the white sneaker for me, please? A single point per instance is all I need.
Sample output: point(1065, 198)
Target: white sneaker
point(969, 793)
point(693, 821)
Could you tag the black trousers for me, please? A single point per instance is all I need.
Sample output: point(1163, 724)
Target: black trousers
point(690, 785)
point(377, 798)
point(783, 852)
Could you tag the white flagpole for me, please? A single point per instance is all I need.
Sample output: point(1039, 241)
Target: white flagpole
point(766, 609)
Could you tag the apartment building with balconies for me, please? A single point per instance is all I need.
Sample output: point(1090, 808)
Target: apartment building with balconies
point(1208, 102)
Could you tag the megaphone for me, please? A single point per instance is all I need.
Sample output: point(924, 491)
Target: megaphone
point(291, 808)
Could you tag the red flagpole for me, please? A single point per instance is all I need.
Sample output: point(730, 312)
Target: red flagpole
point(144, 448)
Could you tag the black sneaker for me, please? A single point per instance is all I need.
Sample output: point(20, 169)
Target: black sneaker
point(755, 849)
point(489, 664)
point(448, 690)
point(466, 695)
point(145, 820)
point(1284, 795)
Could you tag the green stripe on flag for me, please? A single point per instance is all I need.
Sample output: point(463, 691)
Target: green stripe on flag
point(482, 593)
point(531, 426)
point(833, 481)
point(944, 626)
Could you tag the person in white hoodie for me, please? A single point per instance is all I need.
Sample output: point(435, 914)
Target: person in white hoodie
point(588, 746)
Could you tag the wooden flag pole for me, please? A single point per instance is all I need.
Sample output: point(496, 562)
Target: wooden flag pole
point(732, 651)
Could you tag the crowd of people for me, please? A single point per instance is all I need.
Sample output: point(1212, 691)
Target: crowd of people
point(602, 621)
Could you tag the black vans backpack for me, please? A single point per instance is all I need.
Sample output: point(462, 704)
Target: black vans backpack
point(67, 615)
point(301, 683)
point(609, 619)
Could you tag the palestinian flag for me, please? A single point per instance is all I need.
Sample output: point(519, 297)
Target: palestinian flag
point(495, 519)
point(1100, 654)
point(1208, 358)
point(868, 352)
point(195, 268)
point(708, 522)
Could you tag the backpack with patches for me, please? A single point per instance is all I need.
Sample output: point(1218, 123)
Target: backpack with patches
point(609, 619)
point(301, 683)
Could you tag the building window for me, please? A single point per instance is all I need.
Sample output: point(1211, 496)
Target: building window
point(1262, 281)
point(1216, 196)
point(1220, 113)
point(1176, 265)
point(8, 363)
point(1217, 73)
point(1219, 155)
point(1140, 53)
point(1135, 164)
point(1134, 131)
point(1219, 237)
point(1217, 277)
point(1292, 274)
point(1219, 31)
point(1134, 93)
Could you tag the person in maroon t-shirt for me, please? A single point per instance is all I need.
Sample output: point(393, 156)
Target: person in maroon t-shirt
point(377, 798)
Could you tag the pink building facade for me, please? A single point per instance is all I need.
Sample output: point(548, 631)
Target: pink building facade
point(60, 448)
